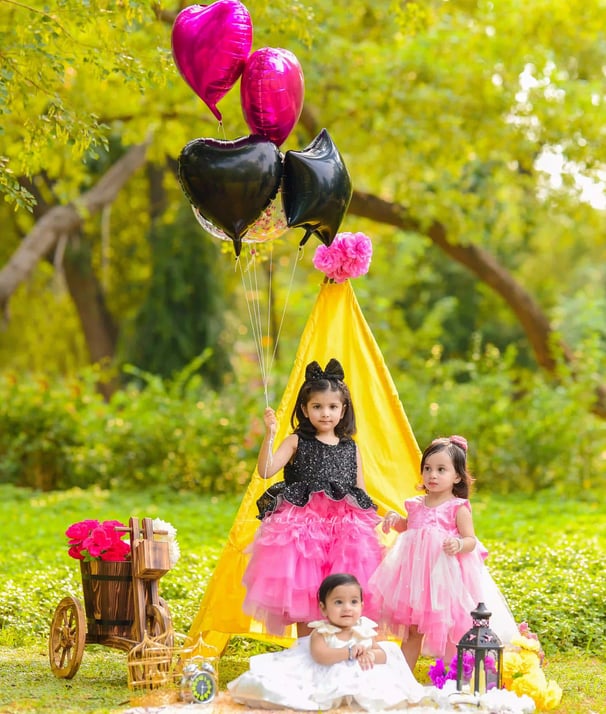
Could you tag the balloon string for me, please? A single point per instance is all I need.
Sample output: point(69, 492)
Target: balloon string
point(270, 455)
point(269, 298)
point(254, 310)
point(259, 323)
point(253, 315)
point(298, 258)
point(249, 276)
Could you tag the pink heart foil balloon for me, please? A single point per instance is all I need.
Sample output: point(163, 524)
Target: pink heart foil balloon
point(210, 46)
point(271, 93)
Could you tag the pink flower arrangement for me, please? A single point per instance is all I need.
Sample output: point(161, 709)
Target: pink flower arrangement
point(348, 256)
point(93, 540)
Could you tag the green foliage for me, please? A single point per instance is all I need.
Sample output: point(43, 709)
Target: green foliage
point(179, 433)
point(526, 432)
point(184, 312)
point(565, 592)
point(545, 555)
point(32, 586)
point(54, 63)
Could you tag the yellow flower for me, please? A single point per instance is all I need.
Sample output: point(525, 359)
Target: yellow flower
point(512, 667)
point(532, 683)
point(526, 643)
point(550, 697)
point(529, 659)
point(522, 674)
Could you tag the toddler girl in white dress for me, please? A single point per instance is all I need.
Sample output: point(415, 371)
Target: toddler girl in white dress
point(340, 663)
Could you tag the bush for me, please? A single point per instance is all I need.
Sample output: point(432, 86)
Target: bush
point(176, 432)
point(526, 431)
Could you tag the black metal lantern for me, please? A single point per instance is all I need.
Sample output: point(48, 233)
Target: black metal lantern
point(480, 655)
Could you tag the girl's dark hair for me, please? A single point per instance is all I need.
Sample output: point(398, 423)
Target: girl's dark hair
point(333, 581)
point(319, 380)
point(458, 454)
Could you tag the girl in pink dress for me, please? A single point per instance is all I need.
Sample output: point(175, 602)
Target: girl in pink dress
point(317, 521)
point(434, 574)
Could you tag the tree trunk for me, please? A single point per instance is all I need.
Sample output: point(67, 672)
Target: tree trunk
point(99, 329)
point(64, 223)
point(483, 265)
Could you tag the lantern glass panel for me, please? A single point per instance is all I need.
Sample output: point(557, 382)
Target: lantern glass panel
point(479, 656)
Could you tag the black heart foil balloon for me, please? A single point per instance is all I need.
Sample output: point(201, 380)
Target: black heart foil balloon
point(316, 189)
point(231, 182)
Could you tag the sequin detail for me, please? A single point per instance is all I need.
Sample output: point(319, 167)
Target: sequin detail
point(317, 467)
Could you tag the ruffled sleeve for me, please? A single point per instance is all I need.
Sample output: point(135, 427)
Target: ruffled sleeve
point(413, 504)
point(365, 629)
point(324, 627)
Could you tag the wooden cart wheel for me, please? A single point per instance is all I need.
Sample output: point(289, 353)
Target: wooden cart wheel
point(67, 638)
point(158, 621)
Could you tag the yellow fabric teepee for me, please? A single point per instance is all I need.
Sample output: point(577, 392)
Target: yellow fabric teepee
point(390, 455)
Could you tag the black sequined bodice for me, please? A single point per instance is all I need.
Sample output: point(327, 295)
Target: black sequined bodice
point(317, 466)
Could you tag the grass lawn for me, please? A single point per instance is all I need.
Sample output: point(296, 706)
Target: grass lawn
point(546, 555)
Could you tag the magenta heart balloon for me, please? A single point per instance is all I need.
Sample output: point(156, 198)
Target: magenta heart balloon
point(210, 46)
point(271, 93)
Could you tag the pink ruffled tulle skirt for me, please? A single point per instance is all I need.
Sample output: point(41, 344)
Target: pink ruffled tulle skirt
point(418, 584)
point(296, 547)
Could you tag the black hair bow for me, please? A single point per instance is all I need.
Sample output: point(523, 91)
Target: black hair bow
point(333, 372)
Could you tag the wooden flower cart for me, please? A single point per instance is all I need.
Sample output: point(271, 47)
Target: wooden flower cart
point(122, 606)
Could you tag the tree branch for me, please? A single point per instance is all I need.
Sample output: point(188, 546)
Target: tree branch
point(66, 220)
point(532, 318)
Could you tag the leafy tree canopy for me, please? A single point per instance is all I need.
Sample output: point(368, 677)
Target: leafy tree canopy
point(445, 111)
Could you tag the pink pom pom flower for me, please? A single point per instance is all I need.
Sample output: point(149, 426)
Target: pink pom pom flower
point(348, 256)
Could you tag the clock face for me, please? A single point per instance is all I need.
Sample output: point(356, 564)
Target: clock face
point(203, 687)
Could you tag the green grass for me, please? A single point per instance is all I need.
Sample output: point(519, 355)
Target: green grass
point(546, 555)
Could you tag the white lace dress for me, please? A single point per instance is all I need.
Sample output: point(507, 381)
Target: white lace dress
point(291, 679)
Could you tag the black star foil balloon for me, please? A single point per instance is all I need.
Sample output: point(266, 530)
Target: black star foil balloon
point(316, 189)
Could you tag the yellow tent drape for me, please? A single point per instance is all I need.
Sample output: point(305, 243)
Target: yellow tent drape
point(389, 451)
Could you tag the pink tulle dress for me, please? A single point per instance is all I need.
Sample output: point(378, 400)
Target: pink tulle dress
point(418, 584)
point(314, 523)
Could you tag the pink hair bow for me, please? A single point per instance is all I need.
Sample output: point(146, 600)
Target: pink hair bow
point(459, 441)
